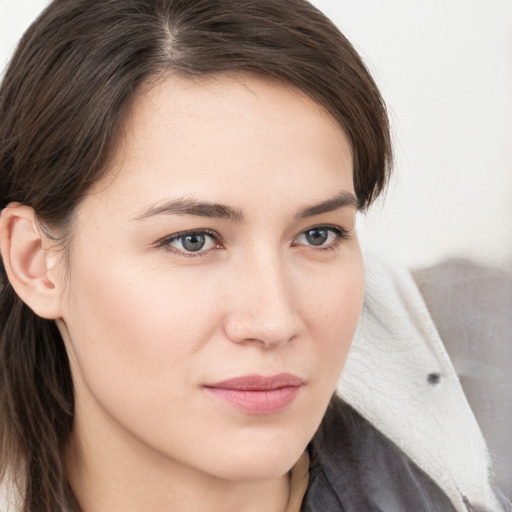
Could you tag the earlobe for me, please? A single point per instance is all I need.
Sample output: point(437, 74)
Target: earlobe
point(25, 256)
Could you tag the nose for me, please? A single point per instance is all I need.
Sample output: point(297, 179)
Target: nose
point(262, 307)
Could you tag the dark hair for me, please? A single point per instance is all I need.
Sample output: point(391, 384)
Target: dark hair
point(64, 96)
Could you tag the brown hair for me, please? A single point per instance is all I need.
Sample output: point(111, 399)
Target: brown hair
point(63, 98)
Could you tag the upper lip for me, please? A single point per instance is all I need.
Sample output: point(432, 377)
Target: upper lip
point(259, 382)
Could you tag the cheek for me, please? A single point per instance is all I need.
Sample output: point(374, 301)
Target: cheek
point(333, 310)
point(136, 345)
point(135, 333)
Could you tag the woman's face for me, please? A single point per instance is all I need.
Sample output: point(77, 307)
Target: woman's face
point(215, 279)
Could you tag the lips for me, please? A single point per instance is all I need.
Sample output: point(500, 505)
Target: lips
point(256, 394)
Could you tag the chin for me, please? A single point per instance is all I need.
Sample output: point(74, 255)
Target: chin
point(260, 462)
point(262, 451)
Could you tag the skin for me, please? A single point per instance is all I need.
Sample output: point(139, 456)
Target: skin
point(147, 324)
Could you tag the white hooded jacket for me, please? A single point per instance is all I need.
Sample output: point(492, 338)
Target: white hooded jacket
point(399, 377)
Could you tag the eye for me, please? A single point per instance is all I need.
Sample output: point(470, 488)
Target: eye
point(321, 236)
point(191, 242)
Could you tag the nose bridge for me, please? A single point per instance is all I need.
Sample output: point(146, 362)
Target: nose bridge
point(261, 305)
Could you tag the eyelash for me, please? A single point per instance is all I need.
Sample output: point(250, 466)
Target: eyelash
point(340, 235)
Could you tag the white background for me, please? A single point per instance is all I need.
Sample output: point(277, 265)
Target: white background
point(445, 69)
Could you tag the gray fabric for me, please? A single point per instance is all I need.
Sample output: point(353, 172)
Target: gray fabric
point(471, 306)
point(354, 468)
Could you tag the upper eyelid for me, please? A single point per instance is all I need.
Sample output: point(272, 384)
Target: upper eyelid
point(215, 234)
point(333, 227)
point(324, 226)
point(180, 234)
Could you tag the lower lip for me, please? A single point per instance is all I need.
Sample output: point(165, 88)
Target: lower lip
point(267, 401)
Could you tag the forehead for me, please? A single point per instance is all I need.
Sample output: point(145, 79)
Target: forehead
point(210, 136)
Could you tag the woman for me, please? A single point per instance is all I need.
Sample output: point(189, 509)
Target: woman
point(183, 280)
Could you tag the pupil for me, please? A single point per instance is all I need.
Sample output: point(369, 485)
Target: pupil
point(316, 236)
point(193, 242)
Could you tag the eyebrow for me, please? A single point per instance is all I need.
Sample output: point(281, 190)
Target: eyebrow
point(186, 206)
point(342, 200)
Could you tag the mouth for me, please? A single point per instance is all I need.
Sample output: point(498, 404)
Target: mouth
point(256, 394)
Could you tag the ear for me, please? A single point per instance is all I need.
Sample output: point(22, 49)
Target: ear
point(27, 259)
